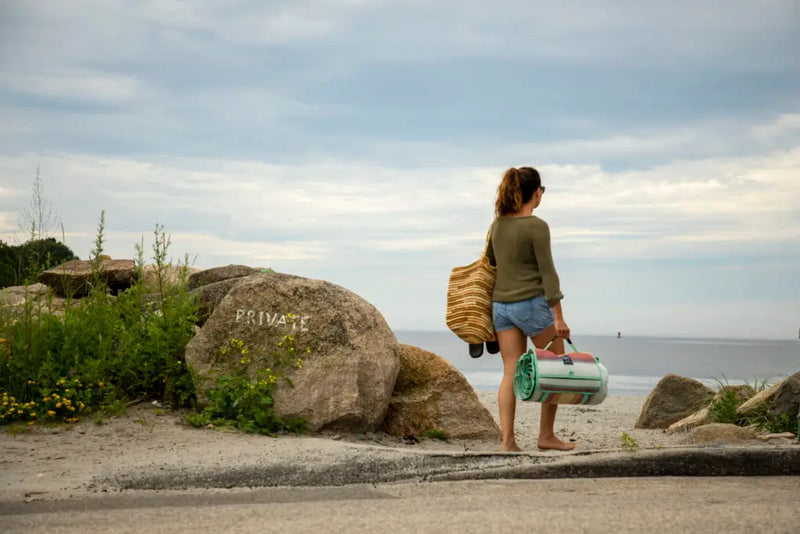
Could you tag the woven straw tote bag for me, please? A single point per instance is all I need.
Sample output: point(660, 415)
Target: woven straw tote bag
point(469, 300)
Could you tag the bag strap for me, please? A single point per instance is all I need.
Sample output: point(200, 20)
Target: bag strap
point(568, 341)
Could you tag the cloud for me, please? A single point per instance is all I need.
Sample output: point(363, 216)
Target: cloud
point(721, 205)
point(786, 125)
point(363, 141)
point(84, 86)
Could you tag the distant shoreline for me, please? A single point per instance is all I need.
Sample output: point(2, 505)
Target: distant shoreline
point(662, 337)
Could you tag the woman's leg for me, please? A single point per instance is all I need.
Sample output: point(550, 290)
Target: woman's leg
point(547, 436)
point(512, 344)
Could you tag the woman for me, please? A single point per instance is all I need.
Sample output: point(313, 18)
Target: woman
point(527, 297)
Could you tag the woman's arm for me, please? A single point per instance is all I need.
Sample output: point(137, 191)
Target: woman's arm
point(541, 247)
point(552, 286)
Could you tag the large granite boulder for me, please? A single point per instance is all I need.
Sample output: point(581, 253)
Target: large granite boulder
point(743, 392)
point(73, 278)
point(674, 398)
point(210, 295)
point(352, 362)
point(19, 295)
point(218, 274)
point(787, 397)
point(430, 394)
point(41, 299)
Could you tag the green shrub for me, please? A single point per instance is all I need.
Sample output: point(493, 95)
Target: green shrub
point(247, 404)
point(764, 419)
point(102, 351)
point(723, 408)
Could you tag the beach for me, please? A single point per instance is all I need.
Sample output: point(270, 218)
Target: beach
point(63, 461)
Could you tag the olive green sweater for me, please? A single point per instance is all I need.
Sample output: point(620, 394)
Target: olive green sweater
point(520, 248)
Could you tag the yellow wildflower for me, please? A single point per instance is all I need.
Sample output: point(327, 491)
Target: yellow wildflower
point(51, 413)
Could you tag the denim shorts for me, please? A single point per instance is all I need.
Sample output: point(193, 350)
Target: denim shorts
point(532, 316)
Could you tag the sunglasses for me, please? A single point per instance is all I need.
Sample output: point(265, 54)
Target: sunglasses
point(542, 188)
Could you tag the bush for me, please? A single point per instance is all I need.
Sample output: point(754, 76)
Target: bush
point(723, 409)
point(240, 402)
point(102, 351)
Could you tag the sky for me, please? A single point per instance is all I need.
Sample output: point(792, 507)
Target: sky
point(362, 142)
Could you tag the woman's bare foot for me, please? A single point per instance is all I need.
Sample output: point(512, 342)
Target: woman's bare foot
point(554, 444)
point(511, 448)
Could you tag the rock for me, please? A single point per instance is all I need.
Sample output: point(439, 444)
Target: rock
point(743, 392)
point(721, 432)
point(171, 277)
point(73, 277)
point(218, 274)
point(347, 378)
point(210, 295)
point(431, 394)
point(687, 423)
point(42, 297)
point(701, 417)
point(787, 397)
point(18, 295)
point(674, 398)
point(758, 400)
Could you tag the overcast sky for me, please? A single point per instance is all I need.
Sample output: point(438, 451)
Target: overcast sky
point(362, 142)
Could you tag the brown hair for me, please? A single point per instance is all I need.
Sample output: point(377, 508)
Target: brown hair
point(516, 188)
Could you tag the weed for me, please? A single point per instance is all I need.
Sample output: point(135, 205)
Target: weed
point(628, 443)
point(723, 408)
point(247, 404)
point(764, 419)
point(434, 433)
point(15, 429)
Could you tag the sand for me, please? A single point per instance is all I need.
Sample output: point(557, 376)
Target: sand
point(59, 462)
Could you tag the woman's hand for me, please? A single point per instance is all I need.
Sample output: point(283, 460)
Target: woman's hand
point(562, 329)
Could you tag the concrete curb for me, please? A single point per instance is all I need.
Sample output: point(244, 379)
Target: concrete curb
point(382, 468)
point(705, 462)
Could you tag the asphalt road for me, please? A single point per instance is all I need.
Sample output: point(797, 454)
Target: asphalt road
point(657, 505)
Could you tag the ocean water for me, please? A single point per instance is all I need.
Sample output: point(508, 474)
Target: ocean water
point(636, 364)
